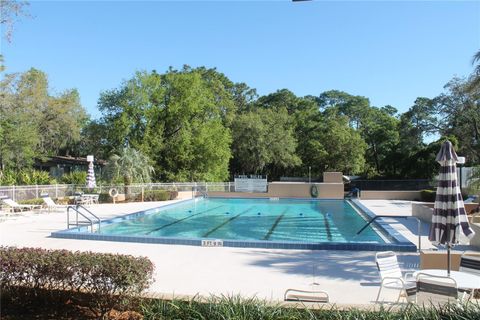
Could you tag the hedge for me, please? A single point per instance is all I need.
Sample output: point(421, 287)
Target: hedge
point(158, 195)
point(109, 279)
point(428, 195)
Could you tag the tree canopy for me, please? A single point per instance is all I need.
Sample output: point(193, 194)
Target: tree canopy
point(197, 124)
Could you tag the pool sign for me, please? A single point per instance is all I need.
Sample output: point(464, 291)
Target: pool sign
point(212, 243)
point(252, 183)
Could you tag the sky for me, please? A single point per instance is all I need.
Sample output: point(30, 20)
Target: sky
point(391, 52)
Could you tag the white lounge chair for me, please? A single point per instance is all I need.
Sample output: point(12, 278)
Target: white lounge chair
point(306, 296)
point(51, 205)
point(13, 206)
point(435, 290)
point(392, 278)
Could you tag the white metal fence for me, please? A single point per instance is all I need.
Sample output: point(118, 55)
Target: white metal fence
point(18, 193)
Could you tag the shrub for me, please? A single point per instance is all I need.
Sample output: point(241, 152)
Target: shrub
point(25, 177)
point(104, 198)
point(74, 177)
point(110, 279)
point(36, 201)
point(428, 195)
point(158, 195)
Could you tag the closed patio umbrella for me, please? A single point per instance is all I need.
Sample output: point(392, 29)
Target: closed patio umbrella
point(90, 174)
point(449, 218)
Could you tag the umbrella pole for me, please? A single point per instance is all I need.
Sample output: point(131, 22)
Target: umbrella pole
point(448, 259)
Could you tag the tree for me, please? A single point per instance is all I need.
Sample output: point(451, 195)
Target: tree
point(10, 11)
point(328, 143)
point(378, 127)
point(263, 142)
point(474, 84)
point(35, 124)
point(128, 166)
point(459, 112)
point(174, 118)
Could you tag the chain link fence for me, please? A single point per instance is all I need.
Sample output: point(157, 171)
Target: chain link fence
point(19, 193)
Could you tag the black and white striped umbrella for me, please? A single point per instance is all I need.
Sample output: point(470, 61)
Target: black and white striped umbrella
point(91, 176)
point(449, 219)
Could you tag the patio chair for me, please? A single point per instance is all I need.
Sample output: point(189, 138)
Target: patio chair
point(15, 207)
point(51, 205)
point(392, 278)
point(470, 264)
point(306, 296)
point(435, 290)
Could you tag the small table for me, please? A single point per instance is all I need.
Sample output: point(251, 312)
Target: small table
point(464, 280)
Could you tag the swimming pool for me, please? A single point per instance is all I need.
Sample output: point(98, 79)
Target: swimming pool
point(262, 223)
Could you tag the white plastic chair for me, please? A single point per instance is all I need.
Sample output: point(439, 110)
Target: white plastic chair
point(15, 206)
point(51, 205)
point(435, 290)
point(306, 296)
point(470, 264)
point(391, 275)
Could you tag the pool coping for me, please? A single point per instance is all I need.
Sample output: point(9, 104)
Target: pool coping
point(401, 243)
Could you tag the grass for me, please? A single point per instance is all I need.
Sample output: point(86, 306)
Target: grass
point(236, 308)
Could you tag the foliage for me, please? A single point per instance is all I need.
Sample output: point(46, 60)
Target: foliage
point(128, 166)
point(74, 177)
point(474, 182)
point(110, 278)
point(428, 195)
point(263, 138)
point(459, 109)
point(177, 119)
point(35, 201)
point(252, 309)
point(35, 124)
point(10, 11)
point(158, 195)
point(25, 177)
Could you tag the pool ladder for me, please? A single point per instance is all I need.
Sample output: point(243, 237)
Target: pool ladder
point(91, 218)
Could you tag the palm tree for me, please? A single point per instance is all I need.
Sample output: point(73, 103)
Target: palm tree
point(129, 165)
point(475, 77)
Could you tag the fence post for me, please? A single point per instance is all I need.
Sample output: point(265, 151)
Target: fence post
point(143, 189)
point(13, 193)
point(56, 191)
point(36, 191)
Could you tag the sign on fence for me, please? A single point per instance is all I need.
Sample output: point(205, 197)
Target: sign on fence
point(250, 184)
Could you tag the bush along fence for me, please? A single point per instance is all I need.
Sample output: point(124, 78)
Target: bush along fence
point(133, 191)
point(99, 281)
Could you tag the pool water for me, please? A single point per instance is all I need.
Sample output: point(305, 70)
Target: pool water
point(251, 219)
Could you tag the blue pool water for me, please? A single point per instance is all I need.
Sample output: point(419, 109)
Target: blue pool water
point(252, 219)
point(251, 223)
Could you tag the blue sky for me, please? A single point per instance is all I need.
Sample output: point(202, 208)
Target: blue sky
point(391, 52)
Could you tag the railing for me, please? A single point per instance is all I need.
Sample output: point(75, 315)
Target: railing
point(417, 184)
point(84, 214)
point(396, 217)
point(18, 193)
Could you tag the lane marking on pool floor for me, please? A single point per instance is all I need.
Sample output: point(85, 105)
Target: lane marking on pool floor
point(224, 223)
point(180, 220)
point(327, 226)
point(275, 224)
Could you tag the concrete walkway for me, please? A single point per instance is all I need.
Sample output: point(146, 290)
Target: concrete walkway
point(350, 277)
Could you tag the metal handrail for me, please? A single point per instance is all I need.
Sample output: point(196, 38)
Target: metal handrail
point(78, 212)
point(403, 217)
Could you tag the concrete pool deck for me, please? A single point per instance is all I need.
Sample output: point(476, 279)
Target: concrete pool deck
point(350, 277)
